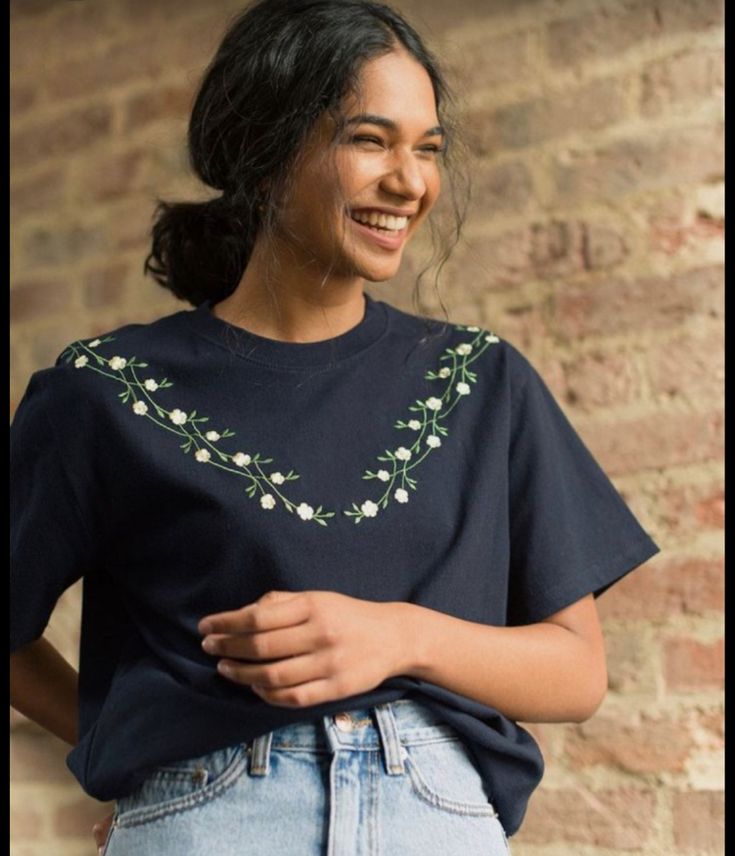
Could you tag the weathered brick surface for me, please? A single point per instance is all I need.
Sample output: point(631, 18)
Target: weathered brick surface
point(62, 135)
point(587, 108)
point(699, 821)
point(639, 304)
point(693, 665)
point(608, 31)
point(661, 160)
point(687, 77)
point(635, 745)
point(619, 819)
point(594, 243)
point(667, 586)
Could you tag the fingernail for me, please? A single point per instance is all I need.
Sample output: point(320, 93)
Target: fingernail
point(100, 851)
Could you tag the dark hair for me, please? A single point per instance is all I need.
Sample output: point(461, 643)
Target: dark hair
point(280, 65)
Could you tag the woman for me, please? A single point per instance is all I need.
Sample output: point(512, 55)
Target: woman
point(382, 524)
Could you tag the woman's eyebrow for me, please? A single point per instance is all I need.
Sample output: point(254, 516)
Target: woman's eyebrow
point(372, 119)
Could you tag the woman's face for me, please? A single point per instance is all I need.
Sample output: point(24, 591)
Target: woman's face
point(394, 165)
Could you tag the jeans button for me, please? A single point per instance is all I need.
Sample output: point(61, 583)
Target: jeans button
point(343, 721)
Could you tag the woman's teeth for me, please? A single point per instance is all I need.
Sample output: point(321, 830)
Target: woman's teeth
point(380, 222)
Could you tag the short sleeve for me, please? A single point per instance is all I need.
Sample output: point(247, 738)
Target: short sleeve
point(571, 533)
point(51, 542)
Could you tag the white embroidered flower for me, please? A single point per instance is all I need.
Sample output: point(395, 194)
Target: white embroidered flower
point(212, 435)
point(140, 407)
point(433, 441)
point(80, 362)
point(403, 454)
point(445, 372)
point(369, 508)
point(401, 495)
point(463, 388)
point(277, 478)
point(491, 337)
point(464, 348)
point(267, 501)
point(433, 403)
point(117, 363)
point(94, 343)
point(305, 512)
point(474, 329)
point(241, 459)
point(414, 424)
point(150, 384)
point(178, 417)
point(202, 455)
point(383, 475)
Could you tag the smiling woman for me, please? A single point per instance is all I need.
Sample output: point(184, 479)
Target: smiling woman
point(333, 552)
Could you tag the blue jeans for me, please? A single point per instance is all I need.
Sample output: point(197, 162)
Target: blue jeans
point(380, 781)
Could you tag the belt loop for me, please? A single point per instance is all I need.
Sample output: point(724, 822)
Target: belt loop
point(260, 755)
point(393, 750)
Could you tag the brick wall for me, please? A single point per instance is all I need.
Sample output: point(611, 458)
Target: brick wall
point(594, 244)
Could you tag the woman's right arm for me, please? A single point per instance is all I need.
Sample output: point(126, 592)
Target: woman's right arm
point(43, 687)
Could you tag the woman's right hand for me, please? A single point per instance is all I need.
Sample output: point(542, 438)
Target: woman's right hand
point(100, 831)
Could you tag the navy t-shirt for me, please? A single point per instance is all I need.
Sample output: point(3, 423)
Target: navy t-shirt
point(186, 467)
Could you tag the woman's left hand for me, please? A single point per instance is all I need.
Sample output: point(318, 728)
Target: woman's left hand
point(297, 649)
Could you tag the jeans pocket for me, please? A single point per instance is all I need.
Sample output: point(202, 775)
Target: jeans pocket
point(443, 774)
point(181, 785)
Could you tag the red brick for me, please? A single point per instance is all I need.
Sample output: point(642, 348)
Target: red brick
point(20, 9)
point(160, 103)
point(664, 159)
point(65, 245)
point(556, 249)
point(587, 108)
point(599, 378)
point(22, 98)
point(33, 300)
point(490, 62)
point(670, 234)
point(645, 303)
point(692, 665)
point(617, 819)
point(666, 587)
point(111, 176)
point(75, 818)
point(505, 187)
point(687, 509)
point(687, 77)
point(63, 135)
point(608, 32)
point(689, 367)
point(604, 246)
point(36, 756)
point(652, 745)
point(105, 286)
point(655, 441)
point(39, 192)
point(26, 824)
point(699, 821)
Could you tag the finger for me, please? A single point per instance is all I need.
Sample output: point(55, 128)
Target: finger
point(262, 645)
point(279, 674)
point(261, 615)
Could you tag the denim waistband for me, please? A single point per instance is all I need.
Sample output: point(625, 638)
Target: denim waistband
point(387, 727)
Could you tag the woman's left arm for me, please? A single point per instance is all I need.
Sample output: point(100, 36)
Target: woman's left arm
point(551, 671)
point(302, 648)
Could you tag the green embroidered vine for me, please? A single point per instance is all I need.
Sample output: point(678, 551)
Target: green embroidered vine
point(203, 442)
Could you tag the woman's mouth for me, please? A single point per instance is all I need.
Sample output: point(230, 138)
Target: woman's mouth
point(382, 235)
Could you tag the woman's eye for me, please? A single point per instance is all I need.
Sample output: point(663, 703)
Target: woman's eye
point(433, 149)
point(366, 140)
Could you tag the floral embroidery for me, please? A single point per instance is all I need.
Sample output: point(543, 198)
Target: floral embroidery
point(431, 413)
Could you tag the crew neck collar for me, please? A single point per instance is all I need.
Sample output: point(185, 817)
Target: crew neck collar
point(294, 355)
